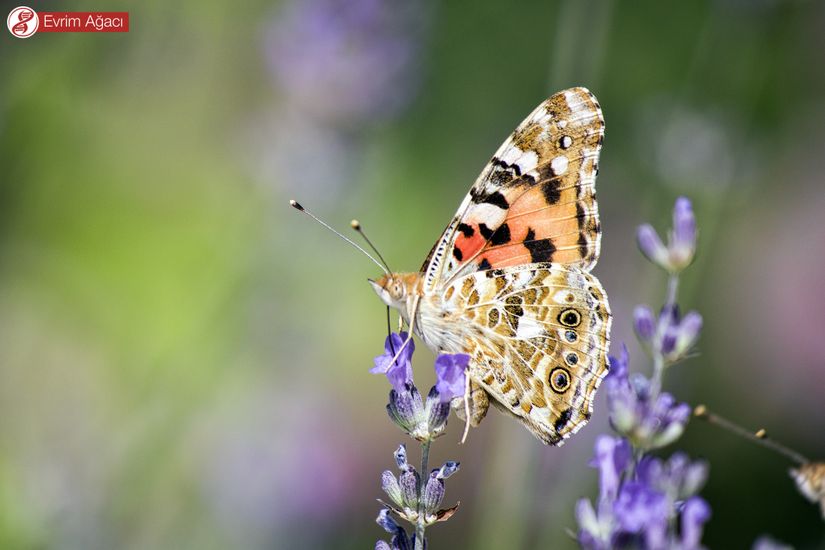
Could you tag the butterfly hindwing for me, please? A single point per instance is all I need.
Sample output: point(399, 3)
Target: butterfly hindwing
point(538, 337)
point(535, 200)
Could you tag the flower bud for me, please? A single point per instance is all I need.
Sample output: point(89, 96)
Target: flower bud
point(409, 482)
point(390, 485)
point(644, 323)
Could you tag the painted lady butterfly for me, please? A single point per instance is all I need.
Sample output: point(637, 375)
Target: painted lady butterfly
point(509, 280)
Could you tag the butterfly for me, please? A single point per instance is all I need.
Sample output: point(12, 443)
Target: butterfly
point(509, 282)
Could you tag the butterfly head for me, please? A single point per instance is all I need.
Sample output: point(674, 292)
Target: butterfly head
point(391, 289)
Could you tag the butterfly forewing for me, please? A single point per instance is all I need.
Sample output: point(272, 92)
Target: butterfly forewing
point(535, 200)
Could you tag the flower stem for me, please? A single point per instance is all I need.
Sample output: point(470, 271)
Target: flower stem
point(420, 525)
point(672, 287)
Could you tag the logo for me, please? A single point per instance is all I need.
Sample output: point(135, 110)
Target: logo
point(22, 22)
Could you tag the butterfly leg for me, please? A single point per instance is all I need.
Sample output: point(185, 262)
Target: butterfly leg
point(471, 408)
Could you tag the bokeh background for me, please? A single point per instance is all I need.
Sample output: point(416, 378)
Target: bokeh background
point(183, 359)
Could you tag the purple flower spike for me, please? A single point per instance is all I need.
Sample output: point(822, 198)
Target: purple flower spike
point(398, 373)
point(611, 457)
point(644, 323)
point(695, 514)
point(450, 377)
point(651, 245)
point(647, 422)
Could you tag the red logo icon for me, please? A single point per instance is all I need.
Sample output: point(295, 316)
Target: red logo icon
point(22, 22)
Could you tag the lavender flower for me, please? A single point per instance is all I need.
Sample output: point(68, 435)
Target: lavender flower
point(421, 419)
point(400, 540)
point(640, 510)
point(681, 247)
point(669, 335)
point(449, 370)
point(676, 335)
point(612, 455)
point(424, 420)
point(649, 421)
point(647, 502)
point(636, 510)
point(644, 323)
point(677, 477)
point(400, 372)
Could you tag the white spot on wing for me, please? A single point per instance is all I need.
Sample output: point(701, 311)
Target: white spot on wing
point(528, 327)
point(559, 165)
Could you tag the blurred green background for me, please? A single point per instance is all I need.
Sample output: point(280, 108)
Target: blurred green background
point(183, 359)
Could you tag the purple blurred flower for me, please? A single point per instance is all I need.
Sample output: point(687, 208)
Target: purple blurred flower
point(596, 528)
point(399, 372)
point(648, 421)
point(346, 62)
point(676, 335)
point(670, 335)
point(611, 456)
point(400, 540)
point(641, 510)
point(450, 377)
point(695, 513)
point(651, 245)
point(638, 507)
point(683, 237)
point(644, 323)
point(681, 246)
point(678, 477)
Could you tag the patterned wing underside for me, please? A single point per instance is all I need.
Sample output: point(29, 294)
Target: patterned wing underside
point(538, 339)
point(535, 201)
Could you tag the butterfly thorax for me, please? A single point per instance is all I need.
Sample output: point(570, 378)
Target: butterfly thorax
point(437, 321)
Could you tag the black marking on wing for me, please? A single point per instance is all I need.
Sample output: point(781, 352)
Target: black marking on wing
point(541, 250)
point(458, 254)
point(495, 198)
point(484, 264)
point(467, 230)
point(582, 242)
point(563, 419)
point(501, 236)
point(485, 231)
point(551, 191)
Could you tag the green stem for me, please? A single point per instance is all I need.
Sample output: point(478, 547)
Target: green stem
point(672, 288)
point(420, 526)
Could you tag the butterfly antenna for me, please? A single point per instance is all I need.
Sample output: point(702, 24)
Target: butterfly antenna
point(759, 437)
point(356, 225)
point(297, 206)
